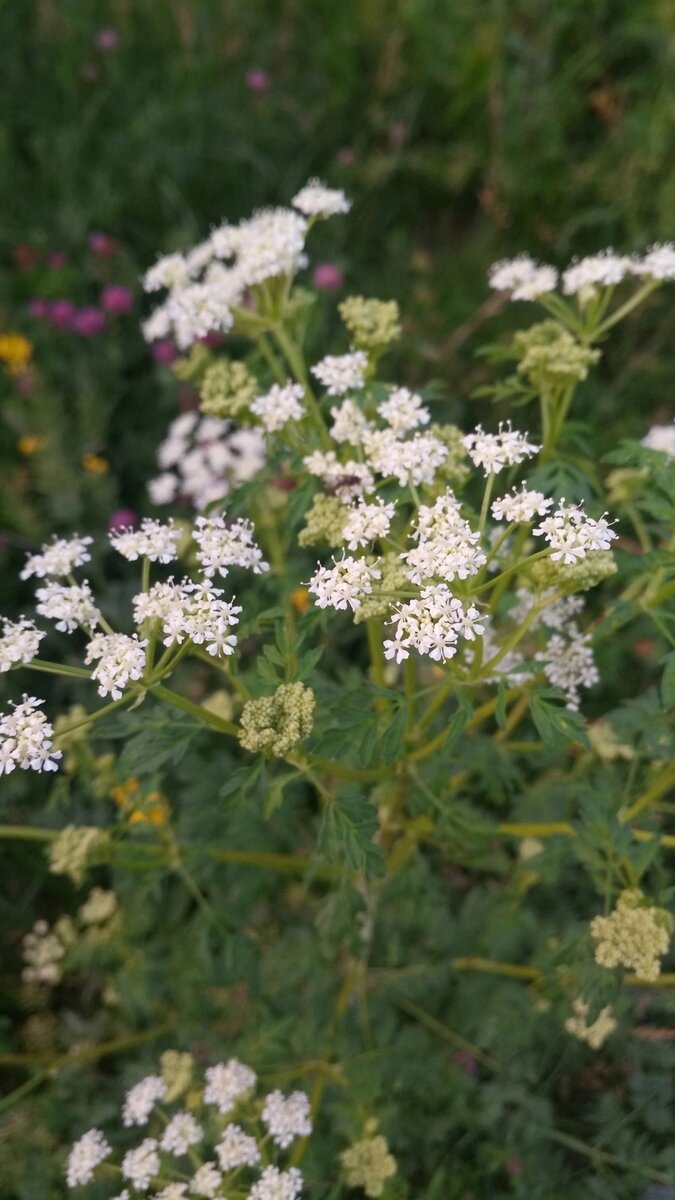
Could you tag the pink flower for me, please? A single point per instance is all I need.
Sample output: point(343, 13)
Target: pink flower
point(102, 245)
point(57, 260)
point(37, 307)
point(89, 321)
point(346, 156)
point(327, 277)
point(164, 351)
point(61, 313)
point(115, 298)
point(465, 1061)
point(123, 518)
point(258, 80)
point(107, 40)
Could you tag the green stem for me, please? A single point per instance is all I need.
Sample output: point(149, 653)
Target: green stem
point(374, 631)
point(28, 833)
point(195, 710)
point(485, 506)
point(619, 313)
point(50, 668)
point(297, 365)
point(270, 358)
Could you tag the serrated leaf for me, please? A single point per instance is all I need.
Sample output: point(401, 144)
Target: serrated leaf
point(348, 826)
point(556, 724)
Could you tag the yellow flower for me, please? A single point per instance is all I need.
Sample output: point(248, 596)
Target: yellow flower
point(31, 443)
point(15, 351)
point(95, 463)
point(152, 809)
point(300, 599)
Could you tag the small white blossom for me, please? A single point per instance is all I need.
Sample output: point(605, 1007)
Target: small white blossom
point(606, 269)
point(569, 663)
point(172, 1191)
point(154, 541)
point(277, 1185)
point(287, 1117)
point(523, 278)
point(521, 507)
point(19, 642)
point(181, 1133)
point(447, 546)
point(60, 557)
point(658, 263)
point(347, 479)
point(344, 584)
point(141, 1099)
point(340, 373)
point(317, 200)
point(26, 739)
point(571, 533)
point(661, 437)
point(222, 545)
point(141, 1165)
point(237, 1149)
point(202, 459)
point(226, 1083)
point(121, 659)
point(169, 271)
point(432, 624)
point(412, 462)
point(349, 423)
point(494, 451)
point(67, 605)
point(368, 522)
point(279, 406)
point(85, 1156)
point(206, 1181)
point(404, 410)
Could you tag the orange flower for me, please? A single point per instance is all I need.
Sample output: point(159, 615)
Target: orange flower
point(31, 443)
point(152, 809)
point(300, 599)
point(95, 463)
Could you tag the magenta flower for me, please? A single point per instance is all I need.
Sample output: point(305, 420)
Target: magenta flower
point(88, 322)
point(107, 40)
point(115, 298)
point(61, 313)
point(123, 518)
point(327, 277)
point(258, 80)
point(40, 308)
point(57, 260)
point(102, 245)
point(164, 351)
point(346, 157)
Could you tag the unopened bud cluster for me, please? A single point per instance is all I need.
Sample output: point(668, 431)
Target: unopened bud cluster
point(277, 724)
point(635, 935)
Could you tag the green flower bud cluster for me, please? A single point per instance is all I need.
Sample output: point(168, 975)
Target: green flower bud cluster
point(574, 577)
point(190, 367)
point(324, 522)
point(635, 935)
point(596, 1033)
point(76, 848)
point(551, 357)
point(625, 483)
point(227, 389)
point(393, 578)
point(277, 724)
point(373, 324)
point(368, 1164)
point(99, 907)
point(455, 470)
point(176, 1068)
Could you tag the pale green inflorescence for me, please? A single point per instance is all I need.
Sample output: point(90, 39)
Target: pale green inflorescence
point(595, 1034)
point(324, 522)
point(569, 578)
point(635, 935)
point(373, 324)
point(455, 470)
point(277, 724)
point(368, 1164)
point(227, 389)
point(393, 578)
point(177, 1068)
point(76, 848)
point(551, 357)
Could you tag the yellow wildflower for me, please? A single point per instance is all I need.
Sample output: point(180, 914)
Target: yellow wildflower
point(15, 352)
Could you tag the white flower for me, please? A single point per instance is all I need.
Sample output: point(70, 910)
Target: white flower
point(447, 546)
point(317, 200)
point(69, 606)
point(347, 479)
point(169, 271)
point(43, 952)
point(226, 1083)
point(340, 373)
point(569, 663)
point(85, 1156)
point(237, 1149)
point(268, 244)
point(368, 522)
point(60, 557)
point(121, 658)
point(19, 642)
point(522, 277)
point(494, 451)
point(432, 624)
point(172, 1191)
point(206, 1181)
point(521, 507)
point(141, 1099)
point(343, 585)
point(661, 437)
point(202, 459)
point(413, 462)
point(163, 489)
point(181, 1133)
point(606, 269)
point(287, 1117)
point(658, 262)
point(571, 533)
point(199, 308)
point(154, 541)
point(404, 410)
point(349, 423)
point(26, 739)
point(279, 406)
point(277, 1185)
point(222, 546)
point(140, 1166)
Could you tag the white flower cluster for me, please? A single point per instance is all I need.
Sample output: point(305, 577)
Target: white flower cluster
point(567, 659)
point(404, 410)
point(662, 438)
point(26, 738)
point(494, 451)
point(527, 280)
point(571, 534)
point(69, 606)
point(279, 406)
point(222, 545)
point(197, 1152)
point(205, 285)
point(344, 584)
point(340, 373)
point(203, 458)
point(154, 541)
point(432, 624)
point(367, 523)
point(521, 507)
point(447, 548)
point(120, 659)
point(19, 642)
point(189, 610)
point(59, 558)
